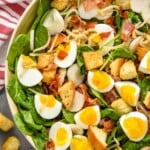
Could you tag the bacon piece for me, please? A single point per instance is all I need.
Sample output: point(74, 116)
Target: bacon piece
point(108, 125)
point(103, 3)
point(127, 30)
point(104, 35)
point(110, 96)
point(89, 4)
point(50, 145)
point(90, 24)
point(88, 100)
point(76, 22)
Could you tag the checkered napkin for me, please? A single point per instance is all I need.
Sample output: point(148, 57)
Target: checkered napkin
point(10, 12)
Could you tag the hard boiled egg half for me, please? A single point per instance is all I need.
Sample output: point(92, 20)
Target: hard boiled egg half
point(145, 64)
point(88, 116)
point(47, 106)
point(100, 81)
point(134, 125)
point(66, 54)
point(129, 91)
point(61, 134)
point(80, 142)
point(27, 73)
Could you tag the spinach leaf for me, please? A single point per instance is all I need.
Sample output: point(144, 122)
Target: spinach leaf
point(39, 120)
point(27, 117)
point(41, 36)
point(118, 20)
point(130, 145)
point(44, 6)
point(17, 93)
point(118, 53)
point(144, 85)
point(110, 113)
point(21, 124)
point(20, 45)
point(98, 95)
point(80, 60)
point(68, 116)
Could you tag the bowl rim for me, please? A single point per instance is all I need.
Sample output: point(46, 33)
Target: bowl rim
point(11, 104)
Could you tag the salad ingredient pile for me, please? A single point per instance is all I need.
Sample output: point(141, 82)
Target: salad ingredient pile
point(81, 75)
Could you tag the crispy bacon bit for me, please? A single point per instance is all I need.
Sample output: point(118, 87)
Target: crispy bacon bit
point(76, 22)
point(127, 30)
point(62, 54)
point(88, 100)
point(108, 125)
point(110, 96)
point(90, 24)
point(124, 14)
point(50, 145)
point(104, 35)
point(103, 3)
point(89, 4)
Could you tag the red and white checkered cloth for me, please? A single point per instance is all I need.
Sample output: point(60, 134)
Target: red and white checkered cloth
point(10, 12)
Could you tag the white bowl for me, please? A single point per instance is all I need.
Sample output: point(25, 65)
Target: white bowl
point(22, 27)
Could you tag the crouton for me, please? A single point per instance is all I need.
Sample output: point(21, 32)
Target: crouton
point(141, 51)
point(59, 4)
point(48, 76)
point(121, 106)
point(44, 60)
point(92, 60)
point(125, 5)
point(115, 67)
point(67, 94)
point(5, 123)
point(128, 71)
point(11, 143)
point(147, 100)
point(97, 137)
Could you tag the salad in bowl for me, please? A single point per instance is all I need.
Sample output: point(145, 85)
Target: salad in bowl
point(78, 74)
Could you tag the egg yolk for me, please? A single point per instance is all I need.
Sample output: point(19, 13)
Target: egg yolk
point(135, 127)
point(80, 144)
point(88, 116)
point(101, 80)
point(127, 92)
point(148, 63)
point(96, 39)
point(47, 100)
point(28, 62)
point(62, 51)
point(61, 136)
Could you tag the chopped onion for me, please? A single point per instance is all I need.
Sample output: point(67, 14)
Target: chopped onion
point(32, 39)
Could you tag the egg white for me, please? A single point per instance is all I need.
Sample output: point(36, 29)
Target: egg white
point(119, 84)
point(82, 124)
point(53, 132)
point(28, 77)
point(134, 114)
point(143, 66)
point(90, 83)
point(47, 112)
point(101, 28)
point(68, 60)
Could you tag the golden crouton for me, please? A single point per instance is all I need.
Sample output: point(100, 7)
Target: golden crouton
point(11, 143)
point(124, 4)
point(121, 106)
point(128, 71)
point(44, 60)
point(59, 4)
point(67, 94)
point(115, 67)
point(92, 60)
point(48, 76)
point(5, 123)
point(147, 100)
point(97, 137)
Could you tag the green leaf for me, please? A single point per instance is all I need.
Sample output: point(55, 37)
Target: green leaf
point(84, 49)
point(110, 113)
point(68, 116)
point(27, 117)
point(17, 93)
point(98, 95)
point(41, 36)
point(20, 45)
point(144, 85)
point(21, 124)
point(118, 20)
